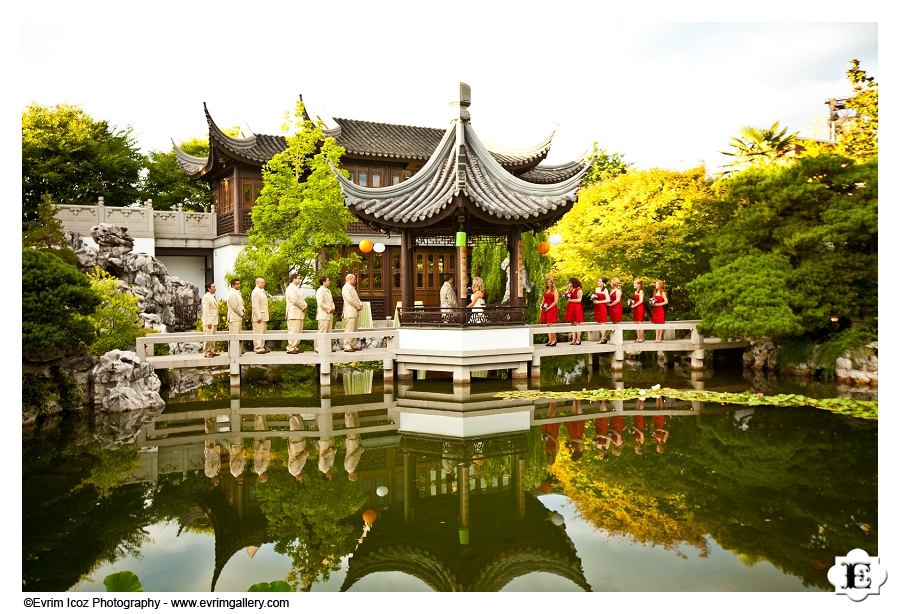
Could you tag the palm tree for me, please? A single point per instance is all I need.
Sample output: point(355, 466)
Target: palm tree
point(757, 146)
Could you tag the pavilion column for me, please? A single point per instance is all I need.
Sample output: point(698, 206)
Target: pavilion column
point(512, 245)
point(407, 244)
point(462, 266)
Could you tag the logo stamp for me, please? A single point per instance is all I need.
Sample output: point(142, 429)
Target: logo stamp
point(857, 575)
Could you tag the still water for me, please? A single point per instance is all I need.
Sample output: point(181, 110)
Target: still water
point(462, 491)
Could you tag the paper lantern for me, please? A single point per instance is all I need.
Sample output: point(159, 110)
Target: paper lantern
point(460, 239)
point(555, 239)
point(381, 491)
point(378, 247)
point(369, 516)
point(543, 248)
point(365, 246)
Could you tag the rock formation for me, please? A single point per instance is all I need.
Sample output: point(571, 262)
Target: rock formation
point(166, 303)
point(121, 382)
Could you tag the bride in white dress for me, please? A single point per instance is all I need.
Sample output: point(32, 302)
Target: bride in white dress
point(477, 303)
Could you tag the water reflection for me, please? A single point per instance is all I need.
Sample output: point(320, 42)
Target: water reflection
point(450, 487)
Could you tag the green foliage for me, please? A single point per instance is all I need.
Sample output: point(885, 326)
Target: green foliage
point(57, 302)
point(851, 341)
point(315, 523)
point(46, 231)
point(276, 586)
point(851, 407)
point(812, 226)
point(644, 224)
point(123, 582)
point(116, 321)
point(168, 185)
point(861, 139)
point(485, 263)
point(761, 146)
point(748, 296)
point(604, 166)
point(300, 218)
point(74, 159)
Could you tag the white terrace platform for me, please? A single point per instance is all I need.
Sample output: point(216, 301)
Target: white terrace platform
point(459, 351)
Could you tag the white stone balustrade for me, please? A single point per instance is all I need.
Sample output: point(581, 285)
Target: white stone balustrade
point(142, 222)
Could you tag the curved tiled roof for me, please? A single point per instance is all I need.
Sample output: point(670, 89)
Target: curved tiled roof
point(552, 173)
point(461, 166)
point(359, 138)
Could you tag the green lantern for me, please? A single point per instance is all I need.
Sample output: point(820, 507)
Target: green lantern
point(464, 536)
point(460, 239)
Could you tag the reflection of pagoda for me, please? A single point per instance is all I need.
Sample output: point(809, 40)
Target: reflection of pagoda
point(236, 519)
point(465, 541)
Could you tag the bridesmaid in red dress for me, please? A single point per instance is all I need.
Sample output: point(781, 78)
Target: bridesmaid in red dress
point(574, 312)
point(600, 300)
point(550, 309)
point(575, 431)
point(615, 301)
point(637, 305)
point(658, 307)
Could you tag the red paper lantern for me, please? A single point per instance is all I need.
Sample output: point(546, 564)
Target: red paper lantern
point(369, 516)
point(543, 248)
point(365, 246)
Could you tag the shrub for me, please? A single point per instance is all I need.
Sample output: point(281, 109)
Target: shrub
point(116, 321)
point(57, 301)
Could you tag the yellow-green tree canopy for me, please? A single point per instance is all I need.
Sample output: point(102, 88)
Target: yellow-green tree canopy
point(644, 224)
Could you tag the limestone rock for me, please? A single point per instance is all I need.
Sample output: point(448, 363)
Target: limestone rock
point(761, 355)
point(121, 382)
point(174, 301)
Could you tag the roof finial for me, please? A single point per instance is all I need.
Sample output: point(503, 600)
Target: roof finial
point(461, 105)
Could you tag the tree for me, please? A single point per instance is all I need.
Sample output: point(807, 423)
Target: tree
point(46, 230)
point(757, 146)
point(645, 224)
point(74, 159)
point(805, 234)
point(861, 139)
point(167, 185)
point(299, 219)
point(57, 302)
point(115, 321)
point(604, 166)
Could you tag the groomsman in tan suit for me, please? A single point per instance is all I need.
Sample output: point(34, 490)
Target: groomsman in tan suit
point(235, 304)
point(296, 311)
point(352, 307)
point(324, 305)
point(210, 318)
point(259, 313)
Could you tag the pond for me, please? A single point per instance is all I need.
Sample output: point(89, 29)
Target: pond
point(423, 486)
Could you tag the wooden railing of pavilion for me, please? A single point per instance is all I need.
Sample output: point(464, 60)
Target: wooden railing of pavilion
point(462, 317)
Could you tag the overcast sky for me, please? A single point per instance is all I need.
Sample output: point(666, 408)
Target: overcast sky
point(663, 94)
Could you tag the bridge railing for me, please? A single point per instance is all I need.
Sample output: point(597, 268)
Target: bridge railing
point(145, 346)
point(617, 330)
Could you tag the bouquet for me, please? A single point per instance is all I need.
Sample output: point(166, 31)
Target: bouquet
point(568, 294)
point(652, 301)
point(631, 302)
point(544, 307)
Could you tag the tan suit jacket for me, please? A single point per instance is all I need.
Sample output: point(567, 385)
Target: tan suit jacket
point(352, 304)
point(448, 296)
point(296, 304)
point(324, 303)
point(259, 303)
point(235, 306)
point(210, 312)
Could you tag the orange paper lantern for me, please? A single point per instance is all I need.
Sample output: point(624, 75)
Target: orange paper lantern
point(543, 248)
point(369, 516)
point(365, 246)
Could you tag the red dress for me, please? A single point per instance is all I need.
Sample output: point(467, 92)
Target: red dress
point(658, 312)
point(637, 312)
point(574, 312)
point(551, 315)
point(600, 308)
point(615, 311)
